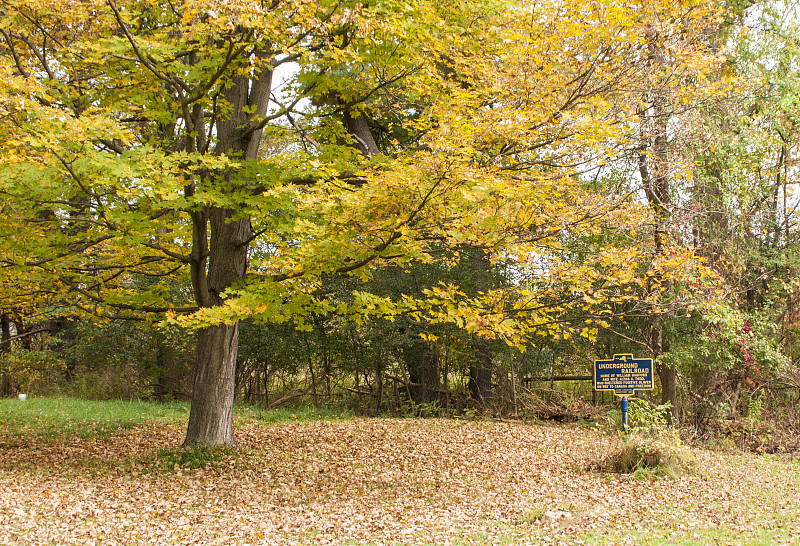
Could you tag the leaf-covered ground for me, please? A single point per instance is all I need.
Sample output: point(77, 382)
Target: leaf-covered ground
point(381, 481)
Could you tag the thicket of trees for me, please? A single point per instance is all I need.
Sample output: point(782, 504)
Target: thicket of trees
point(437, 206)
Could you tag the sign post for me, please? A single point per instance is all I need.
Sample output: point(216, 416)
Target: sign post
point(624, 414)
point(623, 375)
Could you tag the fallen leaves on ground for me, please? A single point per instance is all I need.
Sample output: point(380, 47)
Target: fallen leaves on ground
point(379, 481)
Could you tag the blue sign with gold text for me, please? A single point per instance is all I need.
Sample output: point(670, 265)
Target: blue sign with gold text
point(623, 375)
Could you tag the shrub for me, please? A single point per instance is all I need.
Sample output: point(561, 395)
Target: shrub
point(652, 448)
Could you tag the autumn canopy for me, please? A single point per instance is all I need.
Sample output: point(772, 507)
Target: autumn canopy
point(248, 151)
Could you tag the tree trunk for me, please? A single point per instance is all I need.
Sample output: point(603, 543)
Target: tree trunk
point(669, 388)
point(238, 136)
point(63, 333)
point(310, 358)
point(422, 364)
point(379, 384)
point(326, 356)
point(5, 348)
point(167, 378)
point(667, 374)
point(358, 127)
point(211, 415)
point(218, 346)
point(480, 373)
point(654, 171)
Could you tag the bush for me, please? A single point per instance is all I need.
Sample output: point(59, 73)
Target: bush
point(644, 416)
point(645, 456)
point(652, 448)
point(35, 369)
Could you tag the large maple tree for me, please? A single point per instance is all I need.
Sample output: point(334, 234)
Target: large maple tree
point(149, 140)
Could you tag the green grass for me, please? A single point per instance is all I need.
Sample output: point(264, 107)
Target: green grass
point(74, 417)
point(193, 457)
point(243, 413)
point(693, 537)
point(61, 417)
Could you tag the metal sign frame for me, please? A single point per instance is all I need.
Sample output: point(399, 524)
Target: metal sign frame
point(623, 374)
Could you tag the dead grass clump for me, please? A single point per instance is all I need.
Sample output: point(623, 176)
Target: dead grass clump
point(650, 457)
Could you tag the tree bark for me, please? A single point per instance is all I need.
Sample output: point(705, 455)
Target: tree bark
point(63, 332)
point(5, 348)
point(422, 364)
point(167, 379)
point(319, 323)
point(211, 415)
point(480, 373)
point(358, 127)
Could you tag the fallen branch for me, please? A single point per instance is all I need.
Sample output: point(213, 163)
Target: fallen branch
point(288, 397)
point(367, 393)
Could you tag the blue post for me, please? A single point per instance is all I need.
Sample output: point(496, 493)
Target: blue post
point(624, 414)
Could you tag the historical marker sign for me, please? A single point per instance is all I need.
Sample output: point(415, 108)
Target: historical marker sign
point(623, 374)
